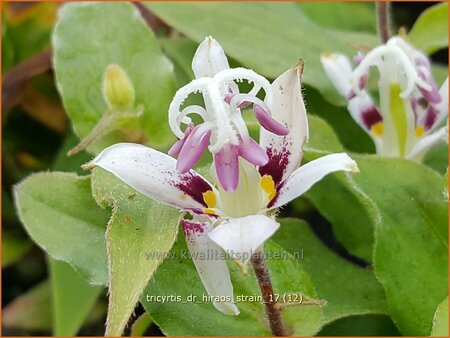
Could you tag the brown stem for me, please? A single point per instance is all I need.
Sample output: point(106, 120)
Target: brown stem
point(383, 20)
point(265, 284)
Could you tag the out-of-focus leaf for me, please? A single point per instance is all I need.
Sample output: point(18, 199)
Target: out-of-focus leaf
point(347, 16)
point(364, 325)
point(61, 216)
point(13, 248)
point(322, 139)
point(347, 288)
point(90, 36)
point(411, 248)
point(244, 29)
point(137, 225)
point(29, 27)
point(430, 32)
point(437, 158)
point(178, 277)
point(72, 298)
point(440, 321)
point(31, 310)
point(350, 134)
point(180, 50)
point(141, 325)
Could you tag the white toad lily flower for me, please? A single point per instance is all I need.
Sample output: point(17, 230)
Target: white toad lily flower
point(223, 127)
point(411, 108)
point(237, 221)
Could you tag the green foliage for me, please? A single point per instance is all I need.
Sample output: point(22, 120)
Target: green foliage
point(347, 16)
point(440, 321)
point(430, 32)
point(245, 37)
point(187, 317)
point(363, 325)
point(90, 36)
point(347, 288)
point(61, 216)
point(137, 225)
point(73, 298)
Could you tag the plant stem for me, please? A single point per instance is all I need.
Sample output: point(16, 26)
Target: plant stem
point(265, 284)
point(383, 20)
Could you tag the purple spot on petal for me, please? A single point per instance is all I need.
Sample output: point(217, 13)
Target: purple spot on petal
point(430, 117)
point(192, 227)
point(278, 162)
point(370, 116)
point(193, 186)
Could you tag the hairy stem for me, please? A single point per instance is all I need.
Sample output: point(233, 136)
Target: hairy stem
point(265, 284)
point(383, 20)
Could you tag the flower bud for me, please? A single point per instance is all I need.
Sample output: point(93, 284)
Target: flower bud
point(118, 90)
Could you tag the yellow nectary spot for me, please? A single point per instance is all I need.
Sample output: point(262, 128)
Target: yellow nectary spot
point(209, 211)
point(210, 198)
point(377, 128)
point(419, 131)
point(268, 186)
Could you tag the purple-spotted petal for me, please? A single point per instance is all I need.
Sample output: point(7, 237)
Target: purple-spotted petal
point(364, 111)
point(154, 174)
point(287, 107)
point(227, 167)
point(307, 175)
point(431, 95)
point(253, 152)
point(269, 123)
point(210, 264)
point(193, 148)
point(242, 237)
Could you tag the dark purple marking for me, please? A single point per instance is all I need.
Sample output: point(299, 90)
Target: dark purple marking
point(430, 118)
point(192, 227)
point(278, 162)
point(370, 116)
point(194, 186)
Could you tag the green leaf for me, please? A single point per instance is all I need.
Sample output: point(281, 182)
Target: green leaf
point(350, 134)
point(244, 29)
point(411, 248)
point(13, 248)
point(137, 225)
point(141, 325)
point(73, 298)
point(61, 216)
point(31, 310)
point(367, 325)
point(177, 277)
point(90, 36)
point(440, 321)
point(437, 158)
point(347, 16)
point(347, 206)
point(322, 139)
point(430, 32)
point(180, 50)
point(348, 289)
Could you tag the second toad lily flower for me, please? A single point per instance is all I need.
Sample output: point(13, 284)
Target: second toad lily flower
point(236, 221)
point(411, 108)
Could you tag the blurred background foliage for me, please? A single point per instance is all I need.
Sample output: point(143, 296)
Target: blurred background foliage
point(40, 294)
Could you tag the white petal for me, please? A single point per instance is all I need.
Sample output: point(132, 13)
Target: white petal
point(339, 70)
point(428, 141)
point(442, 106)
point(211, 265)
point(242, 237)
point(209, 59)
point(287, 107)
point(153, 174)
point(307, 175)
